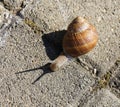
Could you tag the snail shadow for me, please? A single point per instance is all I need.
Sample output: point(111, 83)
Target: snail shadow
point(45, 69)
point(53, 46)
point(53, 43)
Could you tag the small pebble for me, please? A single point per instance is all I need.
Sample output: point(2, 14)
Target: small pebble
point(99, 19)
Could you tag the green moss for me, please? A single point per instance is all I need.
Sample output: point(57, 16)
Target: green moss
point(32, 25)
point(103, 82)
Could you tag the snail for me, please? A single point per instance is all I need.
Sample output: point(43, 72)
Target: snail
point(80, 38)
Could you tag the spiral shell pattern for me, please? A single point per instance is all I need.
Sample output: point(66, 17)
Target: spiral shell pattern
point(81, 37)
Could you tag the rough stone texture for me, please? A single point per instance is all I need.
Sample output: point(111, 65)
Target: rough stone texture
point(103, 98)
point(22, 49)
point(12, 4)
point(15, 5)
point(115, 82)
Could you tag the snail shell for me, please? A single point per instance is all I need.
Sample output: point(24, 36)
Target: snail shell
point(81, 37)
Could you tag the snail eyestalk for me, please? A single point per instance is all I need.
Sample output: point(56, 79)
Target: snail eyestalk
point(58, 62)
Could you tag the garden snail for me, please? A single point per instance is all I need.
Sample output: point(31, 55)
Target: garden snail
point(81, 37)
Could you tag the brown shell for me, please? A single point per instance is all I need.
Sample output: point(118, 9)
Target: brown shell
point(81, 37)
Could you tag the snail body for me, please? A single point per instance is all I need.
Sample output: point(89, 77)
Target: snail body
point(81, 37)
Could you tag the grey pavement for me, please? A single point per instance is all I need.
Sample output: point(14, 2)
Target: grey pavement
point(31, 33)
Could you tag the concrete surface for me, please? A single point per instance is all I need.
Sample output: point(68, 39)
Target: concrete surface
point(104, 98)
point(31, 33)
